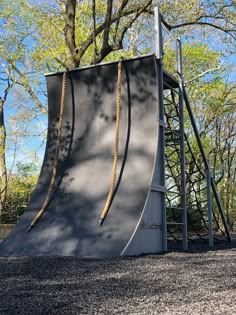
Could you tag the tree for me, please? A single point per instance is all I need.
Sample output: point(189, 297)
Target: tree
point(3, 99)
point(19, 191)
point(119, 19)
point(41, 36)
point(14, 72)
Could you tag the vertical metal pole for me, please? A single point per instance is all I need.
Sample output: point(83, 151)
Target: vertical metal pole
point(158, 33)
point(179, 59)
point(182, 147)
point(161, 133)
point(209, 208)
point(213, 186)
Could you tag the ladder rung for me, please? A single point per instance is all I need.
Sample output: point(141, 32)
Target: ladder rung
point(172, 141)
point(174, 192)
point(158, 188)
point(173, 161)
point(174, 118)
point(169, 130)
point(174, 223)
point(175, 208)
point(176, 89)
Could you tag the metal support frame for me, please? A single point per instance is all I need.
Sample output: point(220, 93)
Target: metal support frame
point(160, 88)
point(182, 146)
point(183, 99)
point(209, 179)
point(209, 208)
point(212, 182)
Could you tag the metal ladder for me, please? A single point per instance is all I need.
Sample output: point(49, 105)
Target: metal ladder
point(175, 178)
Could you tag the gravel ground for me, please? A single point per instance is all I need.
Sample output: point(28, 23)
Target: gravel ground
point(172, 283)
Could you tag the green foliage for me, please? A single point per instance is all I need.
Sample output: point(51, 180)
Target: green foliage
point(197, 59)
point(19, 190)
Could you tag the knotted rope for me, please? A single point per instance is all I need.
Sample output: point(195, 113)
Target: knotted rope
point(55, 164)
point(116, 147)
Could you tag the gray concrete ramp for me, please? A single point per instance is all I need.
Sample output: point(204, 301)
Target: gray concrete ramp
point(70, 225)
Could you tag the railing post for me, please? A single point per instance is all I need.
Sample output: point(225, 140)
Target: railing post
point(161, 131)
point(209, 208)
point(182, 144)
point(158, 33)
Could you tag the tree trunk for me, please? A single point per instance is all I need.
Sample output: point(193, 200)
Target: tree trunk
point(69, 30)
point(3, 191)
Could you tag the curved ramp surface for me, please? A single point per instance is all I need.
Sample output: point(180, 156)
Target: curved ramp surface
point(70, 225)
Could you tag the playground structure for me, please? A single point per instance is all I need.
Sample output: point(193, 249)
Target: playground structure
point(119, 175)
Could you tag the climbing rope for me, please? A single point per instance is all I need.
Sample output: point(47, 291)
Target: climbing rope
point(116, 147)
point(55, 164)
point(127, 136)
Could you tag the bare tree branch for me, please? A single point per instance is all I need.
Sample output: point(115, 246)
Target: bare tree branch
point(81, 49)
point(107, 25)
point(27, 87)
point(118, 43)
point(121, 9)
point(203, 74)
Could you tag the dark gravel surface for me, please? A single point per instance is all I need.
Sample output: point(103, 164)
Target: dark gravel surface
point(173, 283)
